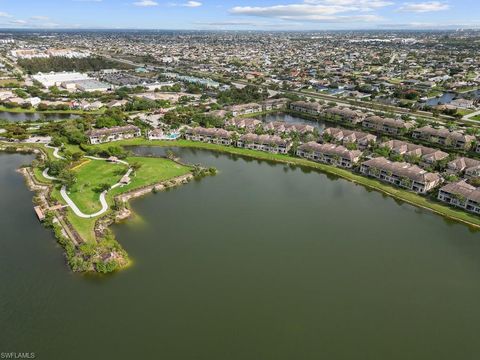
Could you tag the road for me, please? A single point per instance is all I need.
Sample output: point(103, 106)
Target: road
point(360, 104)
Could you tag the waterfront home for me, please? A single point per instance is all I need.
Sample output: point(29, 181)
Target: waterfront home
point(222, 114)
point(281, 127)
point(155, 134)
point(311, 108)
point(245, 109)
point(461, 194)
point(269, 143)
point(105, 135)
point(401, 174)
point(244, 123)
point(274, 104)
point(427, 155)
point(345, 115)
point(361, 139)
point(329, 154)
point(444, 137)
point(213, 135)
point(463, 165)
point(386, 125)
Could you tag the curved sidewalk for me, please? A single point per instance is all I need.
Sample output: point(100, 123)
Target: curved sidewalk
point(55, 152)
point(69, 201)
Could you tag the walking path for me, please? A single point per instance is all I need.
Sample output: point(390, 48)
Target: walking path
point(69, 201)
point(471, 115)
point(55, 152)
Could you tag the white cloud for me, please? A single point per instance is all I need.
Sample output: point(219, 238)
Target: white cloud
point(192, 4)
point(317, 10)
point(145, 3)
point(39, 18)
point(423, 7)
point(363, 4)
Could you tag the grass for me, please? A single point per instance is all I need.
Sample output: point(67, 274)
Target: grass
point(404, 195)
point(90, 176)
point(92, 173)
point(152, 171)
point(464, 112)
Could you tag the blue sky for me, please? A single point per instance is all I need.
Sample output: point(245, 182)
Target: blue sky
point(241, 14)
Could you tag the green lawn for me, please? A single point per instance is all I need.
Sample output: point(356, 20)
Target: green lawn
point(152, 171)
point(89, 177)
point(96, 172)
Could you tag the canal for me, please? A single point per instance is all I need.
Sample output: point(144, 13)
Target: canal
point(262, 261)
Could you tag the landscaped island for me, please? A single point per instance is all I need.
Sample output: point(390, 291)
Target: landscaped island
point(81, 212)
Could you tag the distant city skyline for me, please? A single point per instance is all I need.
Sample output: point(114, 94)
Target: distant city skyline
point(240, 14)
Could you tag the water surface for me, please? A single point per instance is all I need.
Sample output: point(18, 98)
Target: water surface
point(262, 261)
point(20, 117)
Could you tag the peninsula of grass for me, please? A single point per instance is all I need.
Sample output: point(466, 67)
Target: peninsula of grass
point(397, 193)
point(93, 174)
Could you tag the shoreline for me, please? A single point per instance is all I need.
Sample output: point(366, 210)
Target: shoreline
point(65, 232)
point(120, 209)
point(370, 183)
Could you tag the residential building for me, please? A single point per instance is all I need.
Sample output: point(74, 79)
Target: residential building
point(401, 174)
point(245, 109)
point(345, 115)
point(361, 139)
point(463, 165)
point(274, 104)
point(462, 195)
point(155, 134)
point(281, 127)
point(428, 156)
point(105, 135)
point(329, 154)
point(444, 137)
point(269, 143)
point(386, 125)
point(213, 135)
point(244, 123)
point(311, 108)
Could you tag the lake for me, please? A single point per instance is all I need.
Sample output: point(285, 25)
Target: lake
point(262, 261)
point(19, 117)
point(448, 97)
point(291, 119)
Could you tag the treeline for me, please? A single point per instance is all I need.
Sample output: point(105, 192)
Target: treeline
point(33, 66)
point(241, 96)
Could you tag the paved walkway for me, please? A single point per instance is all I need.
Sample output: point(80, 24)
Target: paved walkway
point(46, 176)
point(103, 195)
point(469, 116)
point(55, 152)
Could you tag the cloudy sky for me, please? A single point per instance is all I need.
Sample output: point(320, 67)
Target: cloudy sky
point(241, 14)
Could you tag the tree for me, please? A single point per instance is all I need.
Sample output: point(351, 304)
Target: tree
point(136, 166)
point(68, 178)
point(103, 187)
